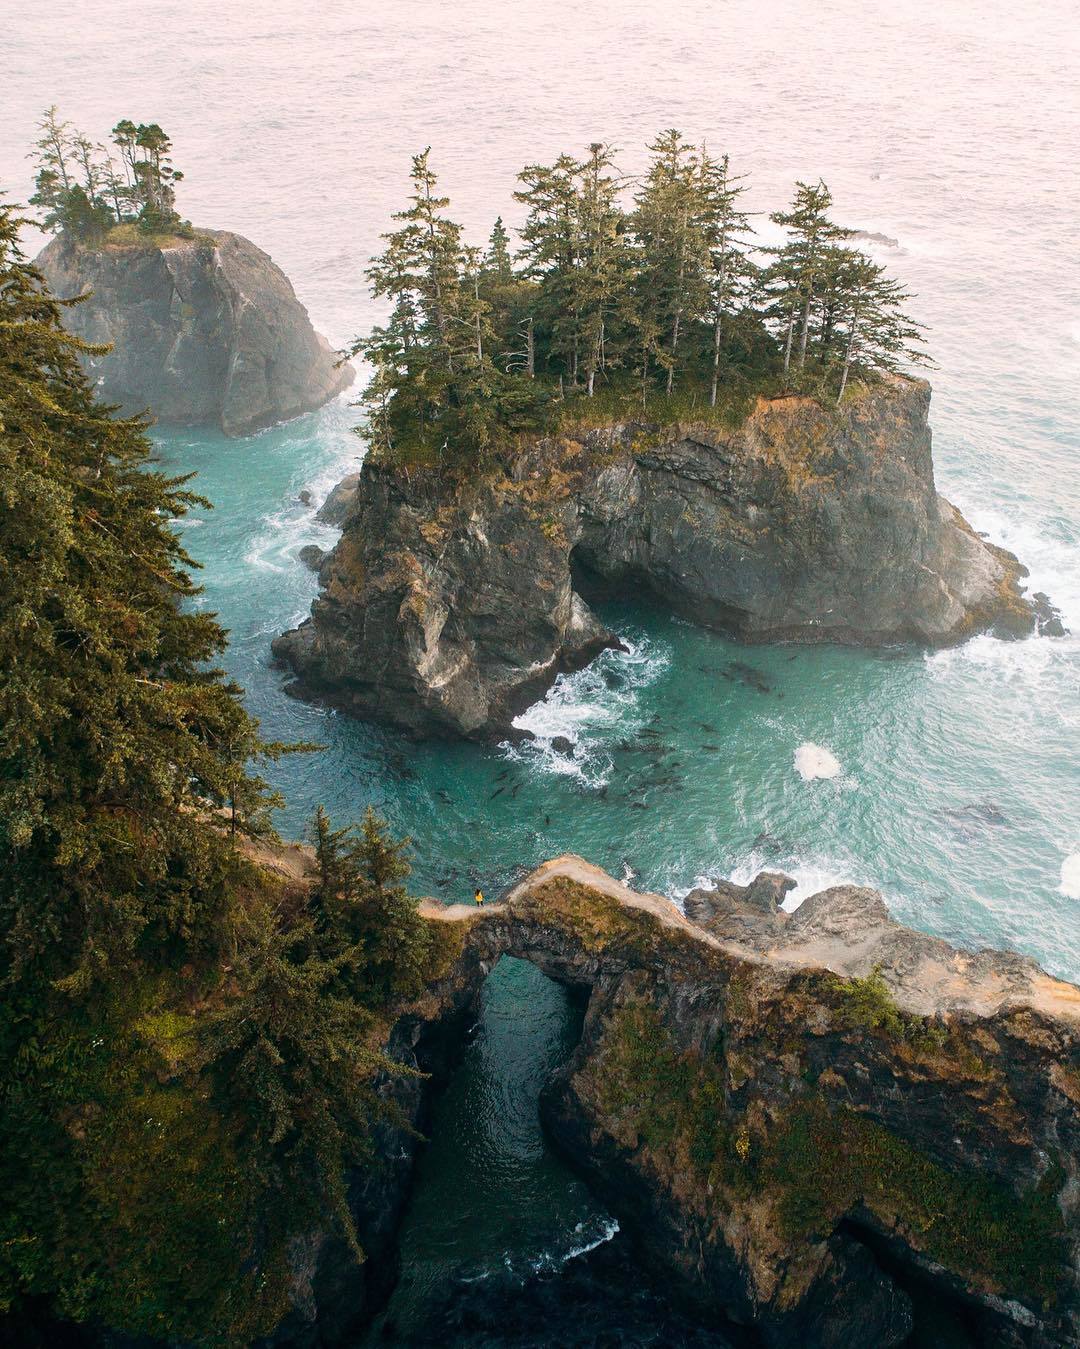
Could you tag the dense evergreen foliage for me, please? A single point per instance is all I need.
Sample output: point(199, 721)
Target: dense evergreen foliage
point(81, 188)
point(188, 1044)
point(650, 297)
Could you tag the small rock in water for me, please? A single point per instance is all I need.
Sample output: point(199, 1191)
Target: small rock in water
point(814, 761)
point(1047, 616)
point(305, 497)
point(1070, 876)
point(562, 744)
point(311, 555)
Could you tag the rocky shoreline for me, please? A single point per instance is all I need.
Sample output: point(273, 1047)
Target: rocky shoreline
point(819, 1128)
point(446, 609)
point(797, 1119)
point(203, 331)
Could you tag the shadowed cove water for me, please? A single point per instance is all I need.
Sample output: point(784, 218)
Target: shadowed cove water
point(958, 791)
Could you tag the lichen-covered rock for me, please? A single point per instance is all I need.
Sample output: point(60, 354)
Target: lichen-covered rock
point(448, 609)
point(444, 619)
point(203, 331)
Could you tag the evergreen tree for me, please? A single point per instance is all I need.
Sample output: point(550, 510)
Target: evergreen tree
point(117, 733)
point(436, 384)
point(156, 179)
point(498, 264)
point(512, 301)
point(673, 255)
point(801, 262)
point(54, 179)
point(550, 243)
point(732, 276)
point(188, 1066)
point(361, 907)
point(599, 280)
point(868, 315)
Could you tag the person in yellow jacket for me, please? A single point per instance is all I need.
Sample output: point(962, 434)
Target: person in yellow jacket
point(479, 897)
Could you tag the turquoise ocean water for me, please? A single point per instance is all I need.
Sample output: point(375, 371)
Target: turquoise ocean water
point(958, 794)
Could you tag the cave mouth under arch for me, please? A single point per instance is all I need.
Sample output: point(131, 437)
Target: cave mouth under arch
point(502, 1233)
point(599, 584)
point(490, 1194)
point(503, 1243)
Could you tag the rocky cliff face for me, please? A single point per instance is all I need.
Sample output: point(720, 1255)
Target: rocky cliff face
point(448, 610)
point(808, 1120)
point(204, 331)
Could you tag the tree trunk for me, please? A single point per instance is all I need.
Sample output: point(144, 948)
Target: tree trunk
point(847, 360)
point(715, 356)
point(787, 340)
point(805, 330)
point(530, 349)
point(674, 348)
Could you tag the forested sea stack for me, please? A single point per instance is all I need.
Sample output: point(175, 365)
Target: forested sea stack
point(645, 404)
point(203, 328)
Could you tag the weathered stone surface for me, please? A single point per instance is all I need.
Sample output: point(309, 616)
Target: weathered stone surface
point(204, 331)
point(312, 556)
point(444, 620)
point(337, 505)
point(448, 610)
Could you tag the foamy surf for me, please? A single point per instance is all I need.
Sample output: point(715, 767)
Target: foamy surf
point(584, 1242)
point(811, 876)
point(589, 709)
point(815, 761)
point(1070, 876)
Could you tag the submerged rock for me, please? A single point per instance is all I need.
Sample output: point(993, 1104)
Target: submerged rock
point(204, 331)
point(448, 609)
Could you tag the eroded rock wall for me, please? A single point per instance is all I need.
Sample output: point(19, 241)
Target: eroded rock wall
point(203, 331)
point(784, 1111)
point(446, 610)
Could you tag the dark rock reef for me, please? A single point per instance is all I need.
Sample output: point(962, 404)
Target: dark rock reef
point(204, 331)
point(446, 610)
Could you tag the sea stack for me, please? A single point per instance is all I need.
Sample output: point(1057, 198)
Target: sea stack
point(203, 331)
point(448, 607)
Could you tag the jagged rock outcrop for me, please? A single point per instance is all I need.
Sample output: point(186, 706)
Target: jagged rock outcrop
point(204, 331)
point(337, 505)
point(448, 610)
point(800, 1118)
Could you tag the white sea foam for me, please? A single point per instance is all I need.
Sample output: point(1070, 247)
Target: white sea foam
point(283, 532)
point(585, 1241)
point(810, 875)
point(1048, 548)
point(590, 708)
point(815, 761)
point(1070, 876)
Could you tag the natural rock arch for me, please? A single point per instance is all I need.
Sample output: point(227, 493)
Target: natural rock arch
point(733, 1040)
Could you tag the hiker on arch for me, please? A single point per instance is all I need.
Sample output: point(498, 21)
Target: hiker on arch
point(479, 897)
